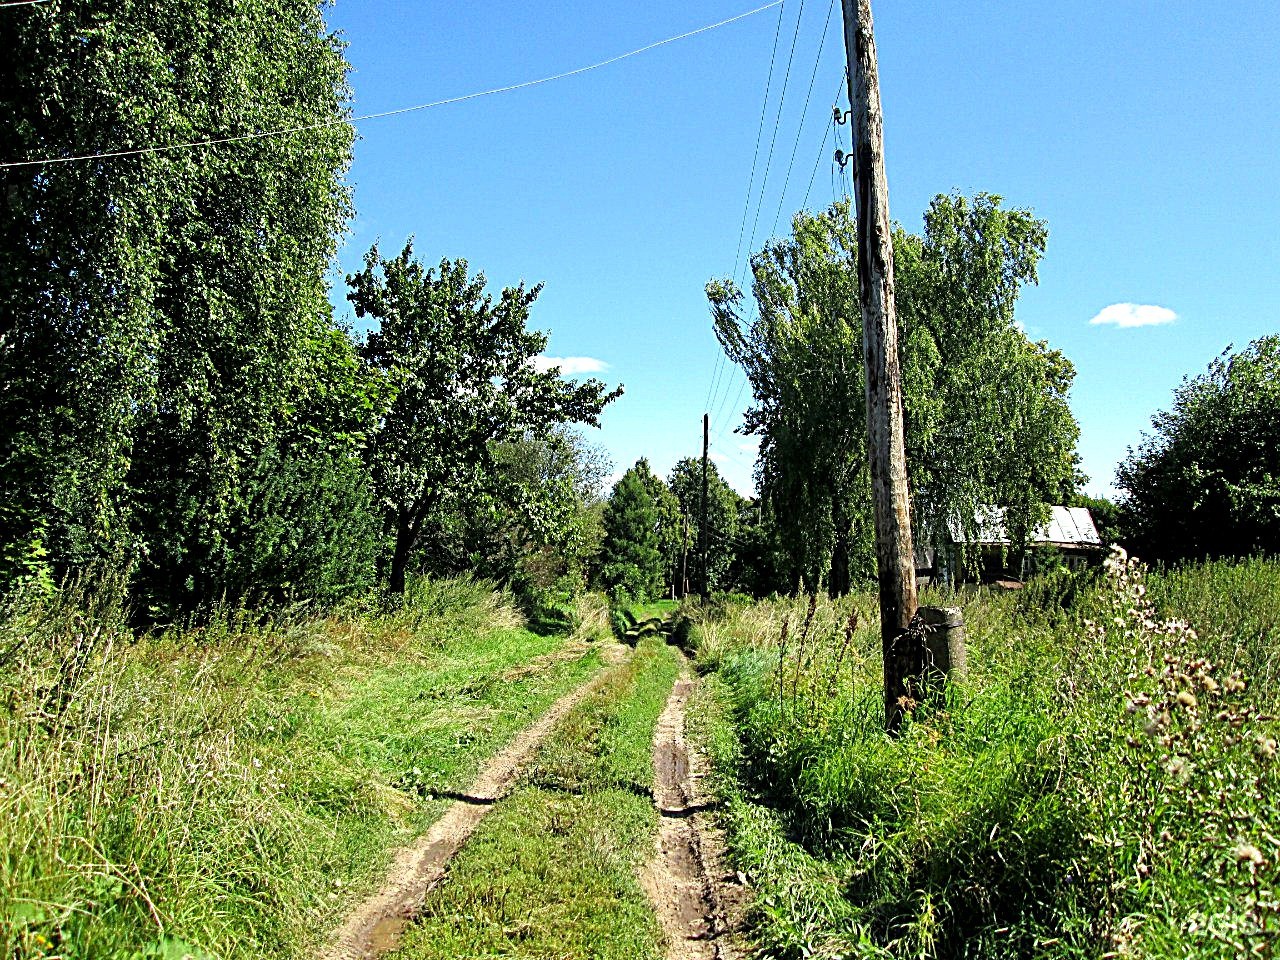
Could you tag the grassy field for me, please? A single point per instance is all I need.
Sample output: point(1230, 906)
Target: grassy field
point(1104, 784)
point(228, 791)
point(552, 872)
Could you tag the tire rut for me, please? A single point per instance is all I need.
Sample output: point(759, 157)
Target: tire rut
point(696, 900)
point(377, 924)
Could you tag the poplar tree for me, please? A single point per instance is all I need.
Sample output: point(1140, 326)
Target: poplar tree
point(161, 310)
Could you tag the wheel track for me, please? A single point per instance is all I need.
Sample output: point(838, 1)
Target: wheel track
point(696, 899)
point(377, 924)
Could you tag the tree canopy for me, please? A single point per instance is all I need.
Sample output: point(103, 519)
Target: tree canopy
point(723, 504)
point(632, 562)
point(161, 313)
point(461, 364)
point(1205, 482)
point(987, 420)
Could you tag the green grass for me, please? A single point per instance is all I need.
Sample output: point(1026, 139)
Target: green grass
point(228, 791)
point(1104, 783)
point(552, 872)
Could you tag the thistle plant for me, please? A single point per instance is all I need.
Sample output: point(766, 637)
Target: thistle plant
point(1184, 795)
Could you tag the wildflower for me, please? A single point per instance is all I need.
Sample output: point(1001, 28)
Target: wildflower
point(1247, 853)
point(1187, 698)
point(1179, 768)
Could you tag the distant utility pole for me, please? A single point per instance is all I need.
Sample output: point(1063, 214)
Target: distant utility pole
point(702, 528)
point(905, 652)
point(684, 556)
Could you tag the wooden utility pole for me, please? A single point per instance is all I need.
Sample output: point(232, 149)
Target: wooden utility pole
point(702, 528)
point(684, 556)
point(905, 652)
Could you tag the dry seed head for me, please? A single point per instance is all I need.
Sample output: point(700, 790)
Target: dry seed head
point(1249, 855)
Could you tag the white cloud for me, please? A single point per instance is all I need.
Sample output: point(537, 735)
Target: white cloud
point(570, 365)
point(718, 457)
point(1134, 315)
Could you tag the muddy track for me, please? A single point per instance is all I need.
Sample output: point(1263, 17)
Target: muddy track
point(697, 901)
point(376, 925)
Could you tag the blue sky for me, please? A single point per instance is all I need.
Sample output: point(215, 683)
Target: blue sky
point(1145, 133)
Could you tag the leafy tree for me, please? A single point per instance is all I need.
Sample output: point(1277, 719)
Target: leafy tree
point(158, 311)
point(987, 420)
point(669, 525)
point(723, 503)
point(1105, 513)
point(1206, 481)
point(632, 558)
point(537, 529)
point(461, 365)
point(758, 564)
point(802, 358)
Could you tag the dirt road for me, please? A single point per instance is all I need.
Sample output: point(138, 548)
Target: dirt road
point(376, 924)
point(696, 900)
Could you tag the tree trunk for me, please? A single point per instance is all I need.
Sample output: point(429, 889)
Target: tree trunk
point(405, 535)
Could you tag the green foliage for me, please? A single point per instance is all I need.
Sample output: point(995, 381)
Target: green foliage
point(987, 420)
point(1206, 481)
point(229, 790)
point(723, 505)
point(465, 383)
point(632, 561)
point(162, 314)
point(1104, 780)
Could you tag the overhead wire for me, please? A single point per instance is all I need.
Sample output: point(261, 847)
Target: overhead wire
point(349, 121)
point(764, 110)
point(777, 120)
point(21, 3)
point(817, 63)
point(808, 96)
point(713, 388)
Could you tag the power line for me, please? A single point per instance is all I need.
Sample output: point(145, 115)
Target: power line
point(385, 113)
point(817, 62)
point(816, 163)
point(713, 388)
point(777, 121)
point(808, 189)
point(764, 109)
point(21, 3)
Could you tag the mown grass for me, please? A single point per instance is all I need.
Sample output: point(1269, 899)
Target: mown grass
point(1103, 784)
point(226, 791)
point(552, 872)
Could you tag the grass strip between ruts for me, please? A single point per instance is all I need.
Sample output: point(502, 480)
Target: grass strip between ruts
point(553, 871)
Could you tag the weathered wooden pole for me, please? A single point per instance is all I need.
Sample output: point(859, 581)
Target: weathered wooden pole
point(905, 653)
point(702, 529)
point(684, 556)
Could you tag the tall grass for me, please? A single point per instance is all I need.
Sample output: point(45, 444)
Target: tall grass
point(1103, 782)
point(201, 791)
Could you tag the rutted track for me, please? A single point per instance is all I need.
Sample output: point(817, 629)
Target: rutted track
point(692, 893)
point(376, 925)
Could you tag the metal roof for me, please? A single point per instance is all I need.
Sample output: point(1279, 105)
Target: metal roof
point(1067, 527)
